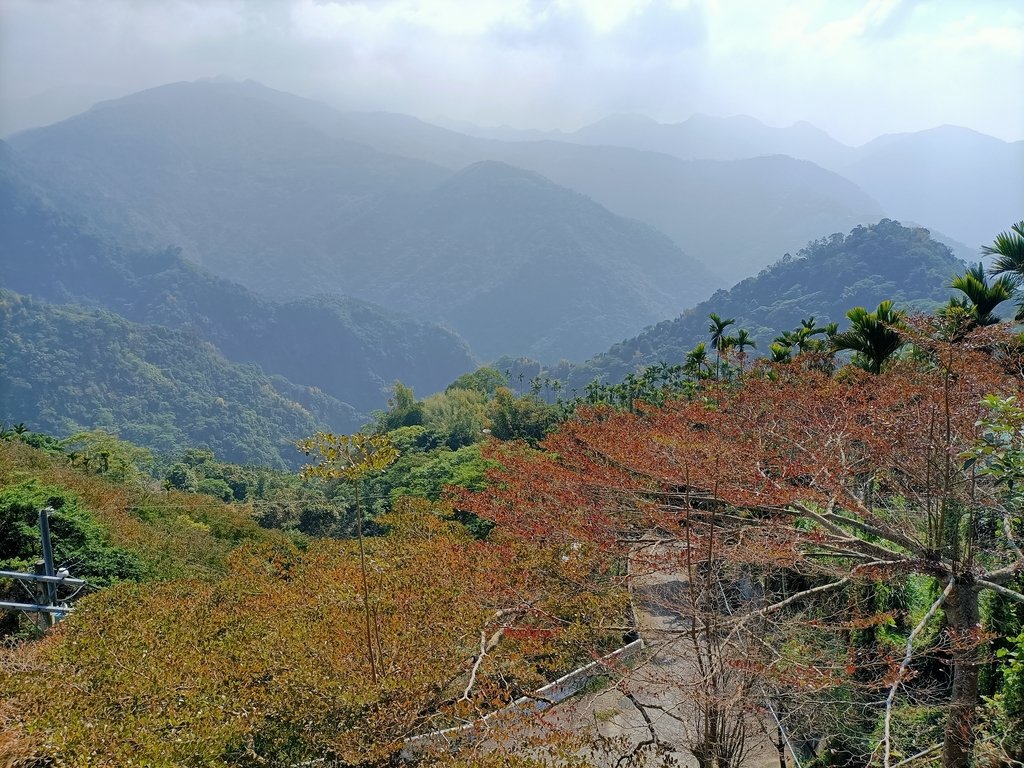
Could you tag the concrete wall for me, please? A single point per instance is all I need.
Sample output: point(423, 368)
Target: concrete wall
point(561, 689)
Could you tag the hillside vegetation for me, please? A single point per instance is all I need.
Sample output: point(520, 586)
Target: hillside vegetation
point(218, 641)
point(111, 522)
point(66, 369)
point(882, 261)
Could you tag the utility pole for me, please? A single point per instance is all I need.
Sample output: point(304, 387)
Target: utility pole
point(48, 579)
point(44, 534)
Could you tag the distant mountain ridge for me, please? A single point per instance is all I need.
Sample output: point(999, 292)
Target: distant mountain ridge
point(696, 202)
point(969, 185)
point(978, 195)
point(260, 194)
point(244, 204)
point(954, 179)
point(698, 137)
point(702, 137)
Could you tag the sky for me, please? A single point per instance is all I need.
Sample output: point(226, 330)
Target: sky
point(856, 68)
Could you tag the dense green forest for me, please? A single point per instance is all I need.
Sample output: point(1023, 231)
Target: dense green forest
point(66, 369)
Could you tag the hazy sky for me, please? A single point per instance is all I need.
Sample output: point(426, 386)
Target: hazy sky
point(856, 68)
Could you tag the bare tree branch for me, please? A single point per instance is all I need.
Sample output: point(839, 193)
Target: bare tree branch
point(918, 756)
point(887, 739)
point(897, 537)
point(486, 646)
point(653, 741)
point(832, 523)
point(998, 588)
point(741, 621)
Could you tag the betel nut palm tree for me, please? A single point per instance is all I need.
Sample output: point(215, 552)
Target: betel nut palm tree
point(1008, 250)
point(718, 338)
point(873, 337)
point(981, 297)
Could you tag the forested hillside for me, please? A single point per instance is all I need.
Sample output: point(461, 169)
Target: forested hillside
point(709, 207)
point(871, 264)
point(514, 262)
point(65, 369)
point(235, 182)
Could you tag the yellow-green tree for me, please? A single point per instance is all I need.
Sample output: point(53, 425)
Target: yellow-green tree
point(350, 458)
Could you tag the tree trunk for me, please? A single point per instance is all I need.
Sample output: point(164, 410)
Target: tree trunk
point(963, 618)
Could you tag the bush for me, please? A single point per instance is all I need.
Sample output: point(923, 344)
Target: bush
point(79, 542)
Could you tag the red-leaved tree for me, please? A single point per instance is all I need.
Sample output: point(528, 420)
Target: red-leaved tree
point(797, 489)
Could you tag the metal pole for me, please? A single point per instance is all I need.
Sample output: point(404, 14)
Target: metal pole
point(33, 608)
point(41, 578)
point(44, 533)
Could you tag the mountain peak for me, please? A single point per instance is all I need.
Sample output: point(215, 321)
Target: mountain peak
point(490, 171)
point(699, 118)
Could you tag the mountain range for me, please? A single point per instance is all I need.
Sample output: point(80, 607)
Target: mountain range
point(963, 182)
point(696, 202)
point(332, 358)
point(699, 137)
point(306, 258)
point(292, 197)
point(261, 196)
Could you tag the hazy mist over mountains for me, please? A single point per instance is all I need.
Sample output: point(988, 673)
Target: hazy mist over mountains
point(341, 242)
point(856, 69)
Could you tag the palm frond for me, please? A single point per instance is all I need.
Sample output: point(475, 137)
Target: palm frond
point(1008, 248)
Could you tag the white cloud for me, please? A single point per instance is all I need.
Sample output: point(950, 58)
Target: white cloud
point(855, 67)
